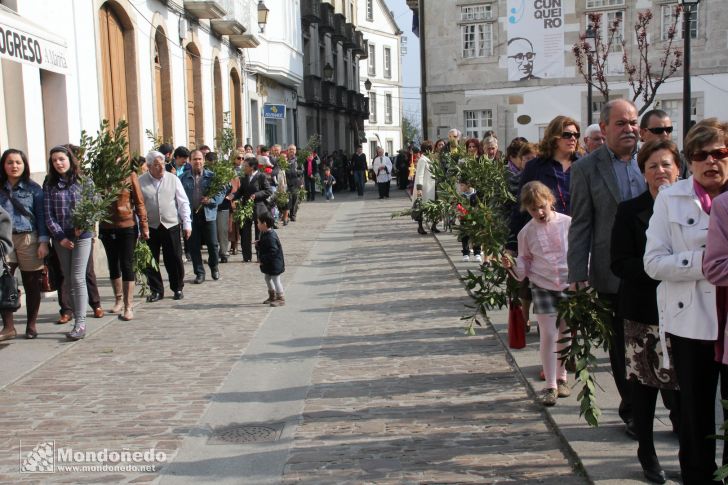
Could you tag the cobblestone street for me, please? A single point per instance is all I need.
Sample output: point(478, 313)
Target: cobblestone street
point(365, 373)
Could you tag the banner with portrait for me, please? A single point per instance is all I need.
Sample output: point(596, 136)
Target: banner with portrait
point(535, 39)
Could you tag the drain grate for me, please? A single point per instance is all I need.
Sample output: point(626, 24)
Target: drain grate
point(238, 434)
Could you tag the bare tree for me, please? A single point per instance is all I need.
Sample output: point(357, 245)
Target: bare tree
point(643, 77)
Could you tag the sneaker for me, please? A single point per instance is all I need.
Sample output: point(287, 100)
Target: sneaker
point(78, 332)
point(563, 389)
point(466, 258)
point(548, 397)
point(478, 258)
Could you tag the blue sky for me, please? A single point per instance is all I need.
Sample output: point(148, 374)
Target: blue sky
point(410, 62)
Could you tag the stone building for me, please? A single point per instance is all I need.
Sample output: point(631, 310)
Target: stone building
point(474, 82)
point(383, 69)
point(330, 103)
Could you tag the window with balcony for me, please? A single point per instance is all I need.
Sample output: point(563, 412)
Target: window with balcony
point(388, 109)
point(668, 17)
point(387, 63)
point(370, 10)
point(476, 28)
point(372, 107)
point(478, 122)
point(371, 61)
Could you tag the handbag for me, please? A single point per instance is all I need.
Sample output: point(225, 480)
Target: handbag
point(516, 326)
point(417, 209)
point(46, 280)
point(9, 295)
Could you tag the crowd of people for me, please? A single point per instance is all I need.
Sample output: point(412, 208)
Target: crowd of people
point(165, 203)
point(646, 227)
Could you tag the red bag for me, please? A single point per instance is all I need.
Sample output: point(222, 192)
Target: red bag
point(516, 326)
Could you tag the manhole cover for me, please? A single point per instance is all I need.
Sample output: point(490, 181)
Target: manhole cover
point(237, 434)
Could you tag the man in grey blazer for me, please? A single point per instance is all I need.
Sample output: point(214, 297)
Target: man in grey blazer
point(599, 182)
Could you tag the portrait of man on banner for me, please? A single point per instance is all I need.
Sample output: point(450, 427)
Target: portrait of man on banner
point(521, 59)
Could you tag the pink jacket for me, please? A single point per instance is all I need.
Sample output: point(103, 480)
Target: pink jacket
point(715, 268)
point(542, 252)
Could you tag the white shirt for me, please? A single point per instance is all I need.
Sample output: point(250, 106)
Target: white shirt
point(183, 204)
point(382, 167)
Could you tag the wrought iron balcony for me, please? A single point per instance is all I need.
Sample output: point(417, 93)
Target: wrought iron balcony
point(328, 93)
point(349, 36)
point(312, 89)
point(326, 22)
point(310, 11)
point(338, 34)
point(341, 97)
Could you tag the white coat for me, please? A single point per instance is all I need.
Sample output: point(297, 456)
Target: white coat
point(382, 168)
point(424, 178)
point(676, 240)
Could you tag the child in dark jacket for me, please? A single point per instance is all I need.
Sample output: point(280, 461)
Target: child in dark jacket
point(468, 192)
point(272, 265)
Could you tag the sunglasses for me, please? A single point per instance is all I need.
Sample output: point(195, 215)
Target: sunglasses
point(521, 56)
point(717, 154)
point(568, 135)
point(239, 158)
point(660, 130)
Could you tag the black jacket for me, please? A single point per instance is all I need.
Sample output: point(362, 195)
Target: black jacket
point(259, 187)
point(359, 162)
point(637, 295)
point(542, 170)
point(293, 175)
point(270, 253)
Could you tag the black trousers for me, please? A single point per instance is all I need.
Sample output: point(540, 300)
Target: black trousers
point(203, 231)
point(617, 359)
point(310, 188)
point(292, 203)
point(697, 374)
point(644, 399)
point(246, 240)
point(383, 188)
point(168, 240)
point(119, 244)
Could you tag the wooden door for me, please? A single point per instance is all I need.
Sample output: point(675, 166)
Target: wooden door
point(236, 106)
point(113, 66)
point(190, 75)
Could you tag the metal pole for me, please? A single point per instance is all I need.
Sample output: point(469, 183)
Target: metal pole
point(686, 71)
point(423, 68)
point(589, 114)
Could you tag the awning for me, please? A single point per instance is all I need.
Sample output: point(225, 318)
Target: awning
point(23, 41)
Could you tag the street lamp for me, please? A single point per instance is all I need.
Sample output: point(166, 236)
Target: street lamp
point(262, 15)
point(328, 72)
point(368, 85)
point(687, 97)
point(590, 40)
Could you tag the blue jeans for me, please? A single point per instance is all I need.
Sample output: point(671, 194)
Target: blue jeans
point(329, 192)
point(73, 266)
point(359, 181)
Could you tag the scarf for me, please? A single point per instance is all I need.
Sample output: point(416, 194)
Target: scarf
point(705, 201)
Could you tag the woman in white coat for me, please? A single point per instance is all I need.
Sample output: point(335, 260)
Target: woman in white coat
point(424, 181)
point(686, 301)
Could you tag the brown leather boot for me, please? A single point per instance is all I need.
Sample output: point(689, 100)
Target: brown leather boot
point(271, 297)
point(128, 291)
point(118, 295)
point(279, 300)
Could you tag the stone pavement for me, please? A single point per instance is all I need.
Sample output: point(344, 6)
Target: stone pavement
point(364, 377)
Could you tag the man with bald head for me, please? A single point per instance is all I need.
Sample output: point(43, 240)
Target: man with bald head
point(599, 182)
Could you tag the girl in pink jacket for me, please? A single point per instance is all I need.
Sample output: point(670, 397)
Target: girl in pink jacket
point(542, 246)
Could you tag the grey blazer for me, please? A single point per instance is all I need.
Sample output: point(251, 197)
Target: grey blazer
point(594, 199)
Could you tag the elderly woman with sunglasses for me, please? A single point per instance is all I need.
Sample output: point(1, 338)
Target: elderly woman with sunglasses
point(558, 150)
point(686, 300)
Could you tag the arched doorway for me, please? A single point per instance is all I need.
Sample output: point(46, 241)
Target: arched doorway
point(118, 68)
point(162, 86)
point(193, 77)
point(236, 105)
point(217, 91)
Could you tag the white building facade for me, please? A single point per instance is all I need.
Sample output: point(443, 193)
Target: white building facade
point(174, 68)
point(382, 68)
point(472, 81)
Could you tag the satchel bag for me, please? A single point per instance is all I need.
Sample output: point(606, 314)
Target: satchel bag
point(417, 209)
point(9, 295)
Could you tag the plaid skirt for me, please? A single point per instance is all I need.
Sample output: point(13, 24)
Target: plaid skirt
point(545, 301)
